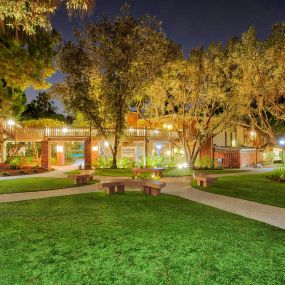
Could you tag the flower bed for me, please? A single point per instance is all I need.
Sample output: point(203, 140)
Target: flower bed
point(6, 170)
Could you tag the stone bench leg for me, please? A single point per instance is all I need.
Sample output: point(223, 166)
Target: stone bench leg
point(121, 188)
point(200, 183)
point(79, 181)
point(146, 190)
point(154, 192)
point(110, 190)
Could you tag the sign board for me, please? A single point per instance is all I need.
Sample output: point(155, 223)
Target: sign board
point(128, 152)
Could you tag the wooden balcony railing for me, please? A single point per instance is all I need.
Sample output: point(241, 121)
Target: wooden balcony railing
point(19, 133)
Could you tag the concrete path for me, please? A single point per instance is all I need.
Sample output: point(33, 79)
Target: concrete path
point(249, 171)
point(271, 215)
point(180, 187)
point(14, 197)
point(57, 173)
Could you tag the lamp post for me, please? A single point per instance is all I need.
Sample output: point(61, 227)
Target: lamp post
point(282, 143)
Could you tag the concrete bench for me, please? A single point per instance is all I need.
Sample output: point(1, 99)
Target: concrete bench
point(83, 177)
point(155, 171)
point(204, 179)
point(150, 187)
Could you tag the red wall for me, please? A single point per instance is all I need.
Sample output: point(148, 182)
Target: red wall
point(132, 120)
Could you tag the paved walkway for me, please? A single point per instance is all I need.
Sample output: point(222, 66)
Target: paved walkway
point(271, 215)
point(178, 187)
point(58, 172)
point(14, 197)
point(249, 171)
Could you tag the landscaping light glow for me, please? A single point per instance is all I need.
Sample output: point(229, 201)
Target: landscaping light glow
point(168, 152)
point(131, 129)
point(156, 131)
point(179, 166)
point(167, 126)
point(252, 134)
point(64, 130)
point(282, 141)
point(95, 148)
point(106, 143)
point(185, 165)
point(159, 146)
point(59, 148)
point(10, 123)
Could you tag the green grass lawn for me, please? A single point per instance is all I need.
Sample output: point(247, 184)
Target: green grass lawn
point(135, 239)
point(254, 187)
point(73, 172)
point(222, 171)
point(35, 184)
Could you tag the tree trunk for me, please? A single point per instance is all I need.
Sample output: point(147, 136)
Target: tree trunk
point(35, 150)
point(115, 151)
point(191, 155)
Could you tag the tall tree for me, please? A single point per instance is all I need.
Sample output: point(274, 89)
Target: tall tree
point(196, 94)
point(26, 62)
point(41, 107)
point(30, 15)
point(12, 101)
point(112, 59)
point(258, 80)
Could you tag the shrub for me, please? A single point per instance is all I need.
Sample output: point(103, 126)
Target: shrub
point(105, 162)
point(278, 174)
point(22, 172)
point(159, 161)
point(126, 162)
point(15, 162)
point(204, 162)
point(35, 170)
point(269, 156)
point(5, 174)
point(53, 161)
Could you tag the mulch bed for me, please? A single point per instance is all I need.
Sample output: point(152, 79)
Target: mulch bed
point(6, 170)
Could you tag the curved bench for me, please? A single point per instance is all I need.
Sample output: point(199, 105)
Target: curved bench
point(83, 177)
point(203, 179)
point(150, 187)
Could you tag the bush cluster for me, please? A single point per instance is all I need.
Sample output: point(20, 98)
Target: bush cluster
point(278, 174)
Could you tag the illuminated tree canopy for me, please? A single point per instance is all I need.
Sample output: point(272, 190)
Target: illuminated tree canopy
point(29, 15)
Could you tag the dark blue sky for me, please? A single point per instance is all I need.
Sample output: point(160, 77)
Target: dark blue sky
point(188, 22)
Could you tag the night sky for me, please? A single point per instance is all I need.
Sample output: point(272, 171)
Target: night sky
point(188, 22)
